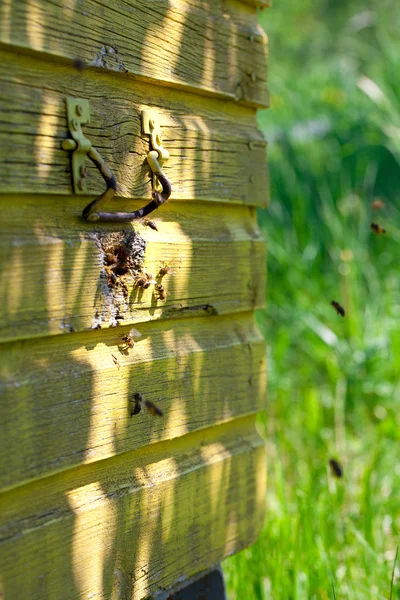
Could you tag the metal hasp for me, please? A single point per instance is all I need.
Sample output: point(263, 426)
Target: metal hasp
point(78, 114)
point(156, 157)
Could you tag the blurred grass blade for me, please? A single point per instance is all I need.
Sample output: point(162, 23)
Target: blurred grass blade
point(393, 572)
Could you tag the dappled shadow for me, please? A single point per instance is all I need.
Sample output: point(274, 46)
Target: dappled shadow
point(213, 48)
point(125, 504)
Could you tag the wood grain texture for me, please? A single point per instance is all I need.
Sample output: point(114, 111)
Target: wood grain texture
point(216, 150)
point(65, 401)
point(95, 501)
point(53, 273)
point(209, 47)
point(135, 523)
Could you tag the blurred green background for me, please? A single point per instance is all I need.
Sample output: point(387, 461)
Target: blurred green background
point(334, 387)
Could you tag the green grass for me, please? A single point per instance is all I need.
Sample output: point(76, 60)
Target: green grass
point(334, 384)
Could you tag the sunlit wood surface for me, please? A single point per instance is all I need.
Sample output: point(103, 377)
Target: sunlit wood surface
point(96, 501)
point(216, 151)
point(214, 48)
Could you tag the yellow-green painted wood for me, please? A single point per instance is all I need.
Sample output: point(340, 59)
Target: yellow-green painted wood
point(53, 277)
point(135, 523)
point(209, 47)
point(95, 502)
point(65, 402)
point(216, 150)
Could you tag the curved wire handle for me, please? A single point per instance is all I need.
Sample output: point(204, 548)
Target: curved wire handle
point(91, 214)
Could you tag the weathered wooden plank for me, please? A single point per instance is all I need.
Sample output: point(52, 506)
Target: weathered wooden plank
point(53, 266)
point(216, 150)
point(208, 47)
point(65, 401)
point(135, 523)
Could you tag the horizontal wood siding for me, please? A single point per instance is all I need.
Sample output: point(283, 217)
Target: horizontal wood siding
point(209, 47)
point(96, 501)
point(53, 277)
point(216, 151)
point(138, 522)
point(66, 402)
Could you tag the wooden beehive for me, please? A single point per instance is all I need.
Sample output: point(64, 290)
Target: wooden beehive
point(96, 502)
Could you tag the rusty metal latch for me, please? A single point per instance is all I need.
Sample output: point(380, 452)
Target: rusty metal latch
point(78, 114)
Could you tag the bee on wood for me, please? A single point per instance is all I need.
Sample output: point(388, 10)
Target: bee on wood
point(339, 309)
point(116, 361)
point(111, 276)
point(153, 409)
point(336, 468)
point(128, 339)
point(150, 223)
point(160, 292)
point(144, 280)
point(377, 228)
point(79, 64)
point(137, 406)
point(110, 259)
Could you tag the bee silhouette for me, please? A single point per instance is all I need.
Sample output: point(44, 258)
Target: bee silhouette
point(153, 409)
point(377, 228)
point(79, 64)
point(137, 406)
point(339, 309)
point(336, 468)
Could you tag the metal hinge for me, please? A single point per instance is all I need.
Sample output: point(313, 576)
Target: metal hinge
point(78, 114)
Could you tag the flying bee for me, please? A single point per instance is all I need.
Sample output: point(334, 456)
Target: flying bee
point(144, 280)
point(153, 409)
point(129, 339)
point(336, 468)
point(377, 228)
point(137, 407)
point(160, 292)
point(339, 309)
point(151, 224)
point(377, 204)
point(116, 361)
point(165, 269)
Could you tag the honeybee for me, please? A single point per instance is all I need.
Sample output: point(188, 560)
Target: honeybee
point(339, 309)
point(160, 292)
point(149, 223)
point(153, 409)
point(377, 228)
point(377, 204)
point(129, 339)
point(164, 270)
point(111, 276)
point(110, 259)
point(137, 407)
point(336, 468)
point(79, 64)
point(116, 361)
point(144, 280)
